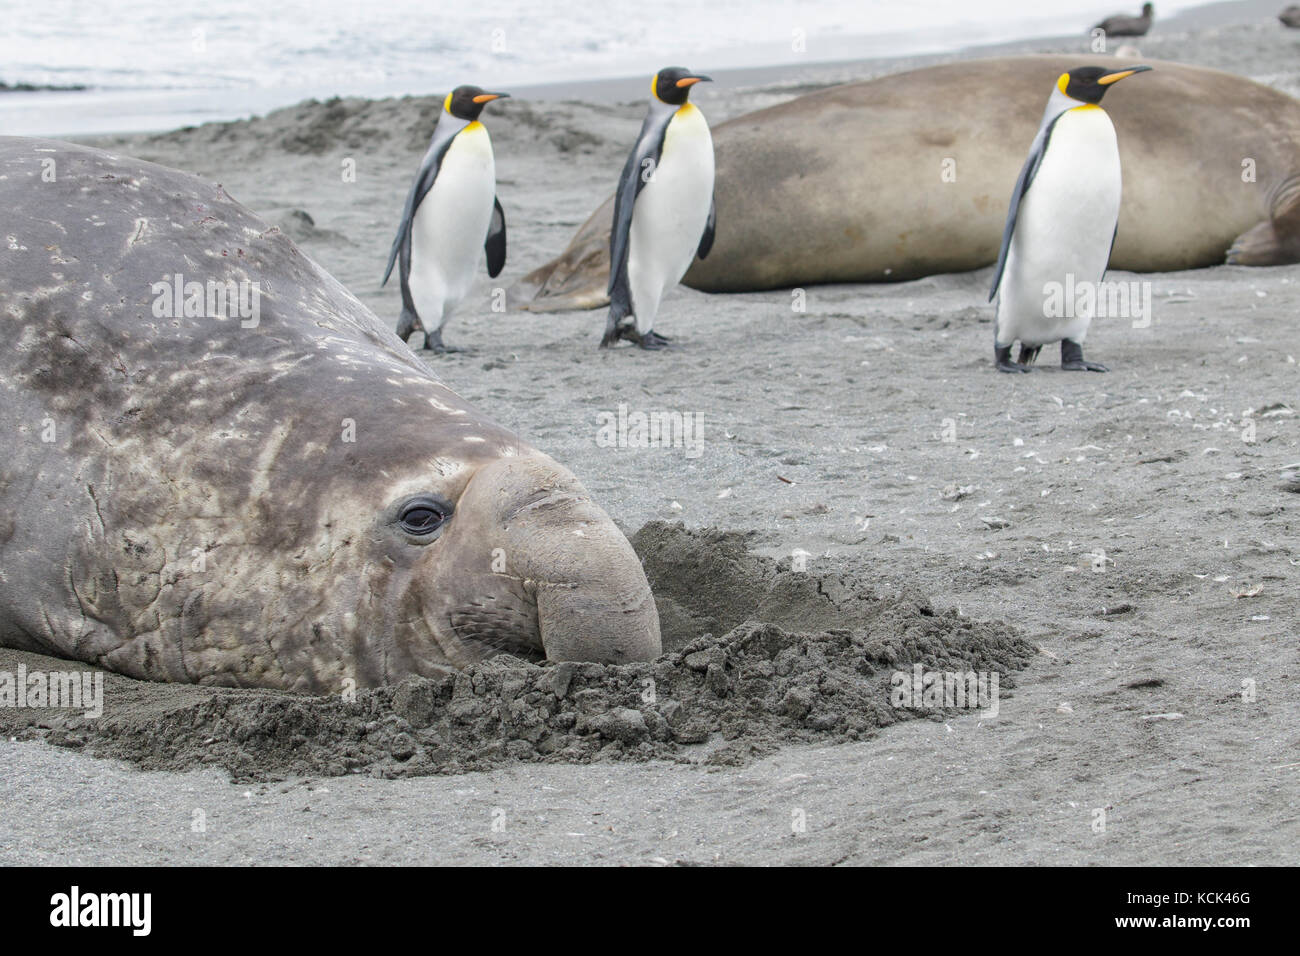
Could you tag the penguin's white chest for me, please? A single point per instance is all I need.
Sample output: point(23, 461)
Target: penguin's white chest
point(451, 224)
point(670, 212)
point(1063, 232)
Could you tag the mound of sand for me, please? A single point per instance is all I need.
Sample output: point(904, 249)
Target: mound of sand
point(758, 655)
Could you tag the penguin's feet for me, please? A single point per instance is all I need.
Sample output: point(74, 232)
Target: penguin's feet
point(1028, 356)
point(1072, 359)
point(433, 343)
point(614, 334)
point(1002, 358)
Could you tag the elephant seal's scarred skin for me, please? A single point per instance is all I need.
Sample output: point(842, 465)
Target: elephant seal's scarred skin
point(199, 514)
point(847, 185)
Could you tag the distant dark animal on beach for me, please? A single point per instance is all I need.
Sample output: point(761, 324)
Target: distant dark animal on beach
point(1291, 15)
point(38, 88)
point(1121, 25)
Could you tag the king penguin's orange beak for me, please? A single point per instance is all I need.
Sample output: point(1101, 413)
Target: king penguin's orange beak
point(1109, 78)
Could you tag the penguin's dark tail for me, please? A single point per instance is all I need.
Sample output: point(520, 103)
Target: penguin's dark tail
point(408, 323)
point(620, 307)
point(612, 332)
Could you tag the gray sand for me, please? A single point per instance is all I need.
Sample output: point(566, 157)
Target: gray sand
point(1121, 524)
point(734, 685)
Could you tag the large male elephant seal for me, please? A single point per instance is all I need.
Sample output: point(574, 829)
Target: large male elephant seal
point(219, 467)
point(909, 175)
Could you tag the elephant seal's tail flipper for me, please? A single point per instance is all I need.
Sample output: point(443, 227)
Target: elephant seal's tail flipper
point(578, 279)
point(1276, 240)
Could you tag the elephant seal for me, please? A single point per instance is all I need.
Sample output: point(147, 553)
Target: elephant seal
point(220, 468)
point(909, 175)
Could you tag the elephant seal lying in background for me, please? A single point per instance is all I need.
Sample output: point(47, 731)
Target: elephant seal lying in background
point(909, 175)
point(219, 467)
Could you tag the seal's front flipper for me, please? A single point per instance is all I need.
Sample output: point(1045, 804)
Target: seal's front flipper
point(408, 323)
point(1276, 241)
point(1072, 359)
point(1260, 246)
point(1002, 358)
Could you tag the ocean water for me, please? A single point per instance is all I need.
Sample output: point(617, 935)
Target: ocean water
point(156, 64)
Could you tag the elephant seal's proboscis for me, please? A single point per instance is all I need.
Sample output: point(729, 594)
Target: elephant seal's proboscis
point(219, 467)
point(909, 175)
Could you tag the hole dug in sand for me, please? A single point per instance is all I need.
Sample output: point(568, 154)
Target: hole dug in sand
point(756, 656)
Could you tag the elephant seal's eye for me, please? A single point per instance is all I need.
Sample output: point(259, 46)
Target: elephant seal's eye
point(423, 515)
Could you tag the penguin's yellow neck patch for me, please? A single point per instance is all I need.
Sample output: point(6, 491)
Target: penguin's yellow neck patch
point(1085, 106)
point(686, 109)
point(474, 127)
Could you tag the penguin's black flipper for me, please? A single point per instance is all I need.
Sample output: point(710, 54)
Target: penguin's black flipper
point(637, 171)
point(710, 227)
point(424, 179)
point(496, 240)
point(1111, 251)
point(1027, 173)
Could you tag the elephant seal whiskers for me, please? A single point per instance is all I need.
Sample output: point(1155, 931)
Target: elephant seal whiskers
point(219, 467)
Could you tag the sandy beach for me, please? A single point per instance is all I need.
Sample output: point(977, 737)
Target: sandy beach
point(1132, 532)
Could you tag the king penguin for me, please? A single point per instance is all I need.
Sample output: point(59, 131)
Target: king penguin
point(1062, 221)
point(452, 206)
point(663, 212)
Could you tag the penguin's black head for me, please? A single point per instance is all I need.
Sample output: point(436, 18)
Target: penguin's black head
point(1088, 84)
point(673, 84)
point(466, 102)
